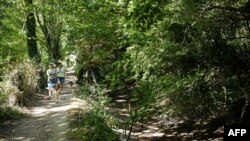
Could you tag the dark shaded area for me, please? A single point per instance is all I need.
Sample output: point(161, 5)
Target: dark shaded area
point(31, 33)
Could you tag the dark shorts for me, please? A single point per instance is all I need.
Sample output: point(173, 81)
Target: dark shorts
point(51, 82)
point(61, 79)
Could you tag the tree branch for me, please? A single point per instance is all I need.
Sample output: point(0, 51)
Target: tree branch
point(44, 29)
point(226, 8)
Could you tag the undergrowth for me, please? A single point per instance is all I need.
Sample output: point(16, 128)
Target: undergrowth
point(93, 124)
point(18, 83)
point(90, 126)
point(10, 113)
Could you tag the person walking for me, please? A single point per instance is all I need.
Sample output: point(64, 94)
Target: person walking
point(61, 73)
point(52, 78)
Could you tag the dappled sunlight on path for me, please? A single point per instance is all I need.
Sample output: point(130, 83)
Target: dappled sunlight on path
point(65, 105)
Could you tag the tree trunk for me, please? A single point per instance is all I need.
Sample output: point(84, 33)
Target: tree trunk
point(53, 45)
point(31, 33)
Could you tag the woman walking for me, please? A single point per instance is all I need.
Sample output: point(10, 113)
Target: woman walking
point(51, 74)
point(60, 71)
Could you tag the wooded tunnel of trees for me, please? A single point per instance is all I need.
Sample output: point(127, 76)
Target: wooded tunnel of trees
point(181, 59)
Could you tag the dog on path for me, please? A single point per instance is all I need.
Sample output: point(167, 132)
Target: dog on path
point(71, 83)
point(55, 90)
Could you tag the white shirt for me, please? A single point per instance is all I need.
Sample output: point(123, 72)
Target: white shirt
point(51, 73)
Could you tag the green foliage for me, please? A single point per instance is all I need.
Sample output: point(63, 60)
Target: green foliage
point(9, 113)
point(93, 124)
point(145, 13)
point(12, 43)
point(170, 51)
point(3, 96)
point(195, 57)
point(94, 128)
point(188, 58)
point(93, 34)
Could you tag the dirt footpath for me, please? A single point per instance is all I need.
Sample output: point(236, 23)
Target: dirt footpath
point(47, 120)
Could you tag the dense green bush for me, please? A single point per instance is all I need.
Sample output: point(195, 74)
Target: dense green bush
point(9, 113)
point(169, 54)
point(94, 128)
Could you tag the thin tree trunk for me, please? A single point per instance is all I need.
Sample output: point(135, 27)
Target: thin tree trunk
point(130, 129)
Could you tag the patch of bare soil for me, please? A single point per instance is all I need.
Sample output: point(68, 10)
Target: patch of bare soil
point(173, 130)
